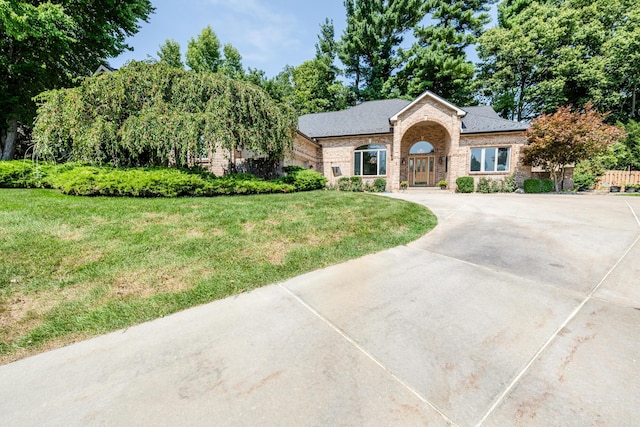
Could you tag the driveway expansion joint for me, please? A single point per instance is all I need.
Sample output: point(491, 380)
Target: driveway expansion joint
point(634, 213)
point(554, 336)
point(361, 349)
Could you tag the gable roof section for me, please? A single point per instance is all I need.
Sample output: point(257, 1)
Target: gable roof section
point(484, 119)
point(433, 97)
point(104, 68)
point(364, 119)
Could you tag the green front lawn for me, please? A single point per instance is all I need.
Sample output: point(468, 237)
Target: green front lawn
point(74, 267)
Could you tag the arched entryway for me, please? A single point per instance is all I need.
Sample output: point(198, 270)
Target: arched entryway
point(422, 165)
point(424, 154)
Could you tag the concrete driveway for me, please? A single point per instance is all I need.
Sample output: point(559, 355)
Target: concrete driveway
point(515, 310)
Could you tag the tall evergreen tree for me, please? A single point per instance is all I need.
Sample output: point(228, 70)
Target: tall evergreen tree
point(437, 61)
point(326, 47)
point(368, 47)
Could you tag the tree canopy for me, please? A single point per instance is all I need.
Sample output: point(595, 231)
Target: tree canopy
point(46, 44)
point(552, 53)
point(157, 115)
point(169, 53)
point(203, 52)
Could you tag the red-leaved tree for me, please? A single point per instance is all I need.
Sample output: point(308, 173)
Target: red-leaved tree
point(566, 137)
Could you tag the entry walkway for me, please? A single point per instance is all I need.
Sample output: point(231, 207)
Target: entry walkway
point(515, 310)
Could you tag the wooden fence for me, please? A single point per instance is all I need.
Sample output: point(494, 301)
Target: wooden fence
point(620, 178)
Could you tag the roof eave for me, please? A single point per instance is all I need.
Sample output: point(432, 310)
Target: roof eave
point(492, 131)
point(308, 138)
point(353, 135)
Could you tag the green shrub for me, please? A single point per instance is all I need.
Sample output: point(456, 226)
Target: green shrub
point(465, 184)
point(509, 184)
point(379, 185)
point(80, 180)
point(356, 183)
point(546, 186)
point(292, 169)
point(306, 180)
point(485, 185)
point(344, 184)
point(506, 185)
point(532, 185)
point(16, 174)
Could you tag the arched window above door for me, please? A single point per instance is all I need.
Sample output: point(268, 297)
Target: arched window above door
point(422, 147)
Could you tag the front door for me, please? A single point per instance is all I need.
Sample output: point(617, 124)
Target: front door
point(422, 171)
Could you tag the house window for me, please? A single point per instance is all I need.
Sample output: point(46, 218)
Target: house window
point(422, 147)
point(490, 159)
point(370, 160)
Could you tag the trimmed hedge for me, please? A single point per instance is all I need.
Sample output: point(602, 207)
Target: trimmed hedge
point(80, 180)
point(547, 186)
point(538, 186)
point(304, 179)
point(465, 184)
point(532, 185)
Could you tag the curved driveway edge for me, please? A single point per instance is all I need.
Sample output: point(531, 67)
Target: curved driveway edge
point(515, 310)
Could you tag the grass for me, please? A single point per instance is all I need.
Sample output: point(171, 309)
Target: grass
point(75, 267)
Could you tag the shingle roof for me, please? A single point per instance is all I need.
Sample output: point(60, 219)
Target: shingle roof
point(364, 119)
point(484, 119)
point(373, 118)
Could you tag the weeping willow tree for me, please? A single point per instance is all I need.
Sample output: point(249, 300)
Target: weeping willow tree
point(155, 115)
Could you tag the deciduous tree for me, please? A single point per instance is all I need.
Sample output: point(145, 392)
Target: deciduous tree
point(232, 62)
point(169, 53)
point(203, 52)
point(316, 89)
point(552, 53)
point(156, 115)
point(566, 137)
point(46, 44)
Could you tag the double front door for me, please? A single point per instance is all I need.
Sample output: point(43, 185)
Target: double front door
point(422, 171)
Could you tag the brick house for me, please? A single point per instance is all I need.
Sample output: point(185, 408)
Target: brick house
point(421, 142)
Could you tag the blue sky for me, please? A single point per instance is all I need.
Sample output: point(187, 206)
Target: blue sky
point(268, 33)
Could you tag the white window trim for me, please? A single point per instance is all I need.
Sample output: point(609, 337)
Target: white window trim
point(483, 158)
point(378, 150)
